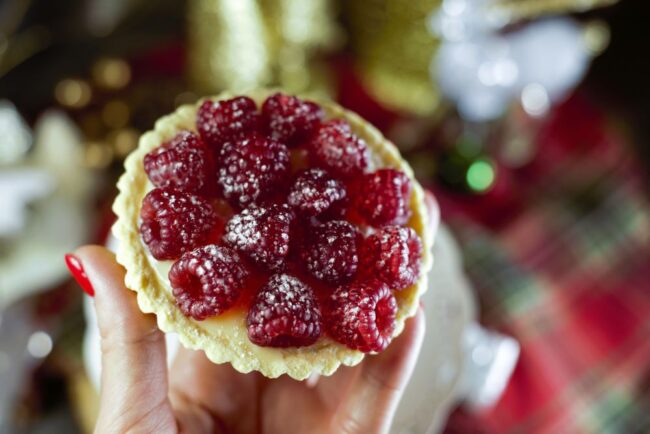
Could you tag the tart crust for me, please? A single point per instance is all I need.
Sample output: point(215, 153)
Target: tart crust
point(224, 338)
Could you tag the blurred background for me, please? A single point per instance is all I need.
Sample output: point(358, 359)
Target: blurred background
point(529, 119)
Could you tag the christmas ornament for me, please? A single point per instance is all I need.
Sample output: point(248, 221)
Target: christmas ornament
point(227, 44)
point(392, 50)
point(483, 69)
point(241, 44)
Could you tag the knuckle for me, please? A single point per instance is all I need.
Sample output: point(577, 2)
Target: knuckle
point(136, 420)
point(117, 338)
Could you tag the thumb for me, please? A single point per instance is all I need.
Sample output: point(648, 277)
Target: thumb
point(372, 401)
point(134, 391)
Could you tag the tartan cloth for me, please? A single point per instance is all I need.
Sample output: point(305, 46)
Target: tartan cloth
point(565, 269)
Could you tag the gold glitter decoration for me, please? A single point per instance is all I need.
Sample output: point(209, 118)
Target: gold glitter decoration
point(517, 10)
point(73, 93)
point(240, 44)
point(297, 30)
point(227, 47)
point(111, 73)
point(394, 49)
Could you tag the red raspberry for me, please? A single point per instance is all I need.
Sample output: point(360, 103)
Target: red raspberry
point(183, 162)
point(207, 281)
point(252, 168)
point(362, 316)
point(290, 120)
point(284, 314)
point(336, 148)
point(392, 255)
point(314, 191)
point(174, 222)
point(338, 211)
point(262, 234)
point(384, 197)
point(221, 121)
point(330, 253)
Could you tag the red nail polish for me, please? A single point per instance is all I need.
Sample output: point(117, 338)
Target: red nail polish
point(77, 271)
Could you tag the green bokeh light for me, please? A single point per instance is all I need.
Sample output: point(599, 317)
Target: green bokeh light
point(480, 175)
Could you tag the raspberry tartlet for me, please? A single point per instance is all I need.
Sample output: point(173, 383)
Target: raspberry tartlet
point(275, 233)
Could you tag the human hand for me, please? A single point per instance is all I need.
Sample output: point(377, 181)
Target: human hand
point(139, 393)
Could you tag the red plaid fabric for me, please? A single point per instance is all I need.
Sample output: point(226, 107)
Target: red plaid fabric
point(565, 269)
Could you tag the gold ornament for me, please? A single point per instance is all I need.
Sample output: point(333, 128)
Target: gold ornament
point(393, 49)
point(241, 44)
point(298, 29)
point(227, 45)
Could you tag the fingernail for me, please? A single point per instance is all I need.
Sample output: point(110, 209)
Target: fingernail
point(77, 271)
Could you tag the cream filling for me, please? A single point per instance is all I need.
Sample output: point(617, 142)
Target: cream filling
point(233, 322)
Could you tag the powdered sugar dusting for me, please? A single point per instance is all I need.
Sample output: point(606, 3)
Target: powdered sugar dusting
point(362, 315)
point(330, 253)
point(182, 162)
point(314, 191)
point(252, 168)
point(285, 313)
point(261, 233)
point(289, 119)
point(383, 197)
point(393, 255)
point(174, 222)
point(336, 148)
point(207, 281)
point(221, 121)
